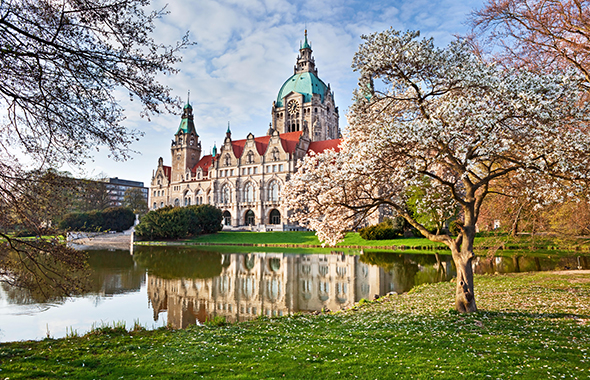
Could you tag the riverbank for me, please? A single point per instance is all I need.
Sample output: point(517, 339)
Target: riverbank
point(500, 245)
point(531, 326)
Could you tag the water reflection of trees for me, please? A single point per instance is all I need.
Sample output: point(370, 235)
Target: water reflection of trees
point(104, 273)
point(178, 262)
point(408, 270)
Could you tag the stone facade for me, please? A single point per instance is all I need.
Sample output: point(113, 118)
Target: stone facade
point(245, 177)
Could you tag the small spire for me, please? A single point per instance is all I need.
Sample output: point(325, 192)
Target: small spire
point(188, 97)
point(214, 151)
point(305, 43)
point(228, 132)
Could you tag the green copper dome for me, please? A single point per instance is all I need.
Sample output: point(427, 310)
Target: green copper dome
point(306, 84)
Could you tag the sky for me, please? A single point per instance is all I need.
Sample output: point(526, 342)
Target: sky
point(245, 50)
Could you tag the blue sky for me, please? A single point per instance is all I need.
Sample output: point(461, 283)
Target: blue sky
point(246, 49)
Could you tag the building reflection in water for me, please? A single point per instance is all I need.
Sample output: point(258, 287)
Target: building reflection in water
point(239, 287)
point(276, 284)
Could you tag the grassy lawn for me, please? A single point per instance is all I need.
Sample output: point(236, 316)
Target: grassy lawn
point(303, 238)
point(500, 245)
point(531, 326)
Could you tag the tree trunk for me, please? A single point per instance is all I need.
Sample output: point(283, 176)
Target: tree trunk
point(463, 256)
point(514, 231)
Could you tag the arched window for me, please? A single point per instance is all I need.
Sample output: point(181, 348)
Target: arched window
point(250, 218)
point(275, 217)
point(227, 160)
point(249, 193)
point(155, 205)
point(177, 202)
point(273, 192)
point(161, 204)
point(227, 218)
point(250, 157)
point(275, 154)
point(225, 195)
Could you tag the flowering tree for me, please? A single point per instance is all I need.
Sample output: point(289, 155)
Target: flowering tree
point(442, 114)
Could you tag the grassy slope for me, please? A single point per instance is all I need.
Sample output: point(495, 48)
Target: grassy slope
point(534, 326)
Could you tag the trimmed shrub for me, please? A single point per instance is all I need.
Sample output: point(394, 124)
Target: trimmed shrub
point(111, 219)
point(386, 230)
point(179, 222)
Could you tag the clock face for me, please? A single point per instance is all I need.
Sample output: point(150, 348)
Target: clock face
point(292, 106)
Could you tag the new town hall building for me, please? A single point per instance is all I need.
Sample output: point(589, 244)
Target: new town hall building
point(244, 178)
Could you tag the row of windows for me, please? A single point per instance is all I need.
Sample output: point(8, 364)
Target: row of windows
point(250, 157)
point(249, 194)
point(252, 170)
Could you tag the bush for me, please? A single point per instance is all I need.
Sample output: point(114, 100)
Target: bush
point(179, 222)
point(386, 230)
point(111, 219)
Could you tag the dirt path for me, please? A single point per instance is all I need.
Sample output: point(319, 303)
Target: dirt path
point(120, 240)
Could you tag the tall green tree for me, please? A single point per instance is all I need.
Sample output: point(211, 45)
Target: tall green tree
point(135, 199)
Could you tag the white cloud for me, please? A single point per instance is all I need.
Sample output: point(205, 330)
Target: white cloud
point(246, 49)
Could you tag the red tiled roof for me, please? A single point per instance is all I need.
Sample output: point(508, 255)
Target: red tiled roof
point(290, 140)
point(204, 163)
point(167, 171)
point(320, 146)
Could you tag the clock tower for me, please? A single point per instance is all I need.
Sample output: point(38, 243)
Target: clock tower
point(305, 103)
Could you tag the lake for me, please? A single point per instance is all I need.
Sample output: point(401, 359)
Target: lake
point(179, 286)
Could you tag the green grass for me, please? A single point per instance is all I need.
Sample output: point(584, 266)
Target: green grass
point(499, 245)
point(531, 326)
point(298, 238)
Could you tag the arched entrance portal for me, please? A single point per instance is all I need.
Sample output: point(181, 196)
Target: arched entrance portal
point(226, 218)
point(250, 218)
point(275, 217)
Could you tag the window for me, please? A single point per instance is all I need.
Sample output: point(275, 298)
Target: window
point(227, 160)
point(249, 171)
point(177, 202)
point(243, 171)
point(275, 217)
point(161, 204)
point(275, 154)
point(254, 170)
point(250, 157)
point(273, 192)
point(154, 193)
point(281, 167)
point(274, 168)
point(231, 172)
point(155, 205)
point(268, 169)
point(250, 218)
point(226, 173)
point(249, 193)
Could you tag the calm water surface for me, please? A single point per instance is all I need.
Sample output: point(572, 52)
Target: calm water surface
point(181, 286)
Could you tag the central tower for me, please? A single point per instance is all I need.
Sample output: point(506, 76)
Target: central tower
point(305, 103)
point(186, 147)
